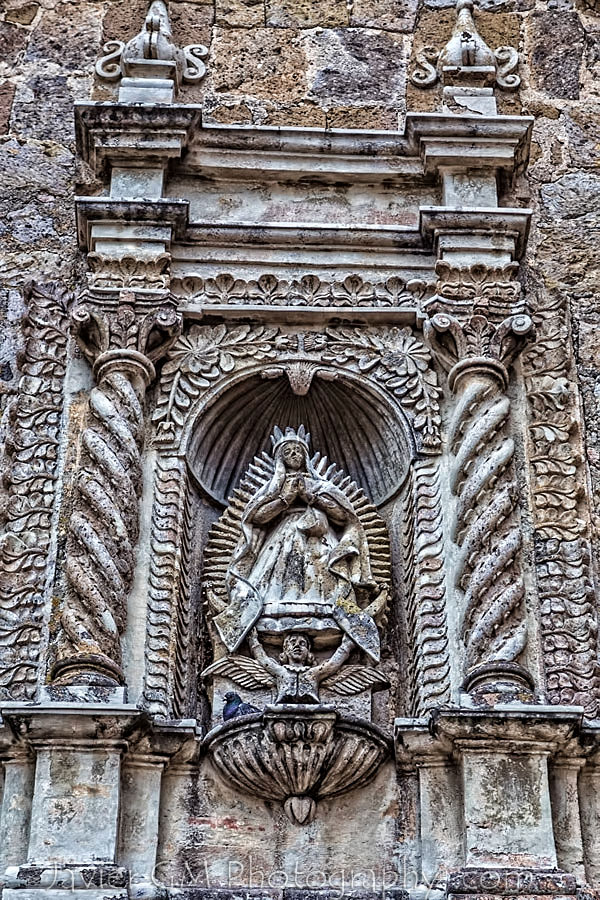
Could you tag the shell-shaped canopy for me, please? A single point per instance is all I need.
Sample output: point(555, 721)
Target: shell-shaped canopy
point(349, 422)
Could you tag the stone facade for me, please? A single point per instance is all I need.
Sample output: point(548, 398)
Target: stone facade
point(299, 551)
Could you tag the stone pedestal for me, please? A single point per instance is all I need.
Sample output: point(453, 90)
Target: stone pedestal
point(138, 839)
point(15, 812)
point(508, 818)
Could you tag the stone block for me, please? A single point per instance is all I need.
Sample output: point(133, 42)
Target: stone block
point(266, 63)
point(372, 117)
point(555, 52)
point(22, 13)
point(7, 93)
point(13, 41)
point(390, 15)
point(240, 13)
point(354, 66)
point(75, 805)
point(307, 13)
point(78, 53)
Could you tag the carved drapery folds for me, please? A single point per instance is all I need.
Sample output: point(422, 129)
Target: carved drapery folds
point(30, 469)
point(477, 328)
point(296, 578)
point(121, 341)
point(562, 547)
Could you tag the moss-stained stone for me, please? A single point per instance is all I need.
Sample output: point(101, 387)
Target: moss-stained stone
point(307, 13)
point(266, 63)
point(390, 15)
point(240, 13)
point(555, 52)
point(355, 66)
point(47, 42)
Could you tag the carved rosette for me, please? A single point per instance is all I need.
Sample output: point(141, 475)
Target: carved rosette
point(476, 341)
point(122, 342)
point(29, 473)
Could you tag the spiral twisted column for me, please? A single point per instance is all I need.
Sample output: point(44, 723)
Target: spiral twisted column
point(104, 523)
point(485, 519)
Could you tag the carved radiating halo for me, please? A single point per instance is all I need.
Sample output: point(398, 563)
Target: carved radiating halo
point(224, 534)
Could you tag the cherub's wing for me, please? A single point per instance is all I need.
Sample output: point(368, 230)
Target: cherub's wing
point(352, 680)
point(243, 671)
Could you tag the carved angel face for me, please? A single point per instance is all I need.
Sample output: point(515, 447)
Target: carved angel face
point(296, 647)
point(293, 455)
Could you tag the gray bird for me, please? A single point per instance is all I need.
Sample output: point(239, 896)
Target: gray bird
point(234, 707)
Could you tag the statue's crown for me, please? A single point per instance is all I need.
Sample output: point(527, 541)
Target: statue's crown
point(280, 437)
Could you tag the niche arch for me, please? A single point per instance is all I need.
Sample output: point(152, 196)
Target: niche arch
point(372, 408)
point(351, 421)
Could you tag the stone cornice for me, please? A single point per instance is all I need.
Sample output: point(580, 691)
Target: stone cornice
point(442, 139)
point(144, 134)
point(148, 135)
point(91, 211)
point(513, 224)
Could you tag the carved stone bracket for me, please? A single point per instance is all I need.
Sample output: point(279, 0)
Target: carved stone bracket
point(122, 342)
point(395, 358)
point(476, 342)
point(29, 473)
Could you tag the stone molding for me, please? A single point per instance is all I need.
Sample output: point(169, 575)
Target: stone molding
point(30, 472)
point(308, 291)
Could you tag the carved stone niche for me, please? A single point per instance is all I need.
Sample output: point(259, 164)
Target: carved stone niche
point(295, 574)
point(297, 578)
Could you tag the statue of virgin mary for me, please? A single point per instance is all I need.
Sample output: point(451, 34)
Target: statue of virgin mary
point(302, 546)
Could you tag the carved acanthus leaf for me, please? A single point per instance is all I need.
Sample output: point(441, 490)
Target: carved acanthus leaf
point(128, 272)
point(129, 325)
point(198, 359)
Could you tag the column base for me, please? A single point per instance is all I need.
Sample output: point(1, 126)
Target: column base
point(94, 672)
point(500, 682)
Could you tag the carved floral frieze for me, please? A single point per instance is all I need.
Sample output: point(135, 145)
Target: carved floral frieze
point(565, 582)
point(312, 291)
point(394, 357)
point(30, 471)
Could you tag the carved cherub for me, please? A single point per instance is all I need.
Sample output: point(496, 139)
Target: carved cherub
point(296, 676)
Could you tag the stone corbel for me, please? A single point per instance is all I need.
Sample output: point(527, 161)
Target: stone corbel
point(477, 326)
point(122, 342)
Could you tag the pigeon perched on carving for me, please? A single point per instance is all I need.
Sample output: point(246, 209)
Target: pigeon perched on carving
point(234, 707)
